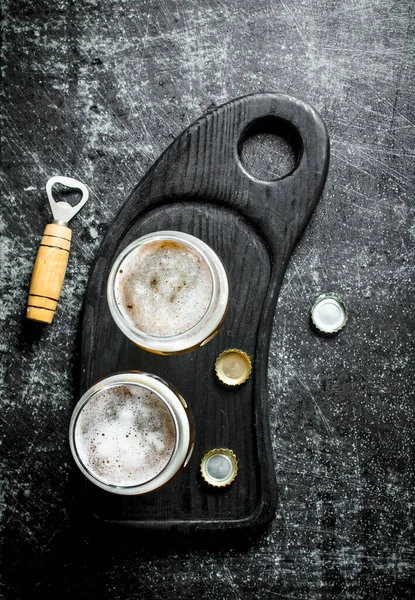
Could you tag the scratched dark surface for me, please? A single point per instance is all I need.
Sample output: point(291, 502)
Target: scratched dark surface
point(96, 90)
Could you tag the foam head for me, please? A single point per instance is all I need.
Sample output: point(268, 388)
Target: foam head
point(163, 288)
point(168, 292)
point(125, 435)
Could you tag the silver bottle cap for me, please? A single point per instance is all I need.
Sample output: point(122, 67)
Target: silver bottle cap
point(219, 467)
point(329, 313)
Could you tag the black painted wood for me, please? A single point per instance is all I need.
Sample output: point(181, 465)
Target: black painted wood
point(200, 186)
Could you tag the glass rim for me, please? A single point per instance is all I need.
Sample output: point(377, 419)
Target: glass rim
point(211, 320)
point(176, 410)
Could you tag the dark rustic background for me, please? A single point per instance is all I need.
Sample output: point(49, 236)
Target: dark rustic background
point(96, 90)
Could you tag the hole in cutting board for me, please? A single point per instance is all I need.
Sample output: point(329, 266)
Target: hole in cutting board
point(270, 149)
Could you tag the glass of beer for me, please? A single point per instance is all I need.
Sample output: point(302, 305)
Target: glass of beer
point(168, 292)
point(131, 433)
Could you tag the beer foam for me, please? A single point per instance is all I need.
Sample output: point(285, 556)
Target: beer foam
point(125, 435)
point(163, 288)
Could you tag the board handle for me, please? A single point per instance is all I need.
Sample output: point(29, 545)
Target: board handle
point(49, 273)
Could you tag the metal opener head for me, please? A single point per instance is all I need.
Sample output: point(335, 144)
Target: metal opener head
point(62, 211)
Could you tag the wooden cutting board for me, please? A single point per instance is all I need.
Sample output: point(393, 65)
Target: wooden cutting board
point(200, 186)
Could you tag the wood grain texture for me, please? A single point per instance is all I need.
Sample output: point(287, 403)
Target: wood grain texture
point(200, 186)
point(49, 273)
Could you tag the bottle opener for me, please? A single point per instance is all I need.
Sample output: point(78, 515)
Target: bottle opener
point(53, 254)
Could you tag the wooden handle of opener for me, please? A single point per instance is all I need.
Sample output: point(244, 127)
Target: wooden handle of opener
point(48, 273)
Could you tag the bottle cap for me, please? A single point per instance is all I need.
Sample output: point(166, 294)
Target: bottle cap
point(219, 467)
point(233, 367)
point(329, 313)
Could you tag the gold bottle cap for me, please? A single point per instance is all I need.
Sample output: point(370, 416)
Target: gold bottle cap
point(329, 314)
point(219, 467)
point(233, 367)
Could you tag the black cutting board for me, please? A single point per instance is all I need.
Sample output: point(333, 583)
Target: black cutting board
point(200, 186)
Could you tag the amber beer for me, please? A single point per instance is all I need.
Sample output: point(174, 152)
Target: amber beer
point(168, 292)
point(131, 433)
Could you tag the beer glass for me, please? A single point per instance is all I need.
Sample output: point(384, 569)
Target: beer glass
point(131, 433)
point(168, 292)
